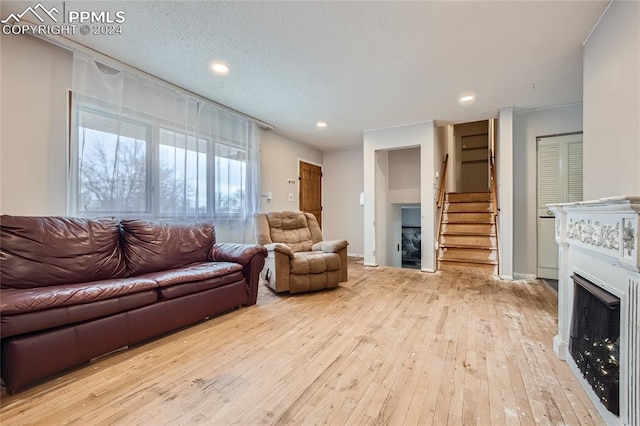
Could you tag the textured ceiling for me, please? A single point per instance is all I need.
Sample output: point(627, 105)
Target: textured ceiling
point(356, 65)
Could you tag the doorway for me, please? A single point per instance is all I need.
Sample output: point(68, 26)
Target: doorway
point(411, 237)
point(472, 149)
point(310, 195)
point(559, 180)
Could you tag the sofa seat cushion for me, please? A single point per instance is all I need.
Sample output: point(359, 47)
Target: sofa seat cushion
point(18, 301)
point(20, 322)
point(314, 262)
point(195, 278)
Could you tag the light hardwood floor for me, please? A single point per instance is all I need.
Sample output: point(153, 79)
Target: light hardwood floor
point(391, 346)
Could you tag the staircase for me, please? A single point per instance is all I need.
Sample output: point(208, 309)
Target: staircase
point(468, 234)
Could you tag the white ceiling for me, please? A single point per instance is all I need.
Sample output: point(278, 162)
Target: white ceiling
point(356, 65)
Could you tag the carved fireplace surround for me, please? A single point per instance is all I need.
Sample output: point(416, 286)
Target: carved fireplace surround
point(598, 240)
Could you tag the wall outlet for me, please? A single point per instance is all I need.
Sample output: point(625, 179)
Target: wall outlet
point(291, 197)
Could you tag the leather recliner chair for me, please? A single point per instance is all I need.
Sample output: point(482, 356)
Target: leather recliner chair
point(298, 259)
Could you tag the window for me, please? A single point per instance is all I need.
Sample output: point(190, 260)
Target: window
point(182, 180)
point(123, 169)
point(230, 172)
point(112, 164)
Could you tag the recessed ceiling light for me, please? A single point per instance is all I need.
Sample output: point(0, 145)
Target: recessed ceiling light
point(220, 68)
point(321, 124)
point(467, 98)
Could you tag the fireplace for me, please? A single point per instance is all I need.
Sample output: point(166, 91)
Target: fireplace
point(599, 302)
point(595, 340)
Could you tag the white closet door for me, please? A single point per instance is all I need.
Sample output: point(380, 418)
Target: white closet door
point(574, 172)
point(559, 180)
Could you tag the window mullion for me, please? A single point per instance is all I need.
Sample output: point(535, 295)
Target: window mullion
point(154, 175)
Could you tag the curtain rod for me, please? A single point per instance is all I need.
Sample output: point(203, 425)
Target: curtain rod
point(74, 46)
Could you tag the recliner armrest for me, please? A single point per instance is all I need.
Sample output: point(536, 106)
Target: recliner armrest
point(279, 248)
point(333, 246)
point(236, 253)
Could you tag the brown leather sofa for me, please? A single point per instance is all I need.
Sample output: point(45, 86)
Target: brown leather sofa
point(299, 260)
point(72, 289)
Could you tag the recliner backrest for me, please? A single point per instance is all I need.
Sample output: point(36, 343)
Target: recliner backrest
point(297, 229)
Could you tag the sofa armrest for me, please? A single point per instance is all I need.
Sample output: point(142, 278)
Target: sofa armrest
point(333, 246)
point(279, 248)
point(250, 256)
point(236, 253)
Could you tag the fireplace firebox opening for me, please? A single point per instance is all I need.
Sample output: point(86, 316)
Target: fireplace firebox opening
point(595, 340)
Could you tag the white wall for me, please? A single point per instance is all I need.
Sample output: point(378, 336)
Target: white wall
point(279, 161)
point(342, 185)
point(404, 168)
point(35, 79)
point(611, 96)
point(504, 178)
point(527, 126)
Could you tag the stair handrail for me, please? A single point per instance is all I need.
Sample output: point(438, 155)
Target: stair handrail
point(443, 180)
point(494, 199)
point(492, 179)
point(440, 203)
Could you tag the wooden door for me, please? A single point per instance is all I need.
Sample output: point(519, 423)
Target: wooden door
point(559, 181)
point(311, 190)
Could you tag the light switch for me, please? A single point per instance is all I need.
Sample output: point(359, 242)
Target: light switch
point(291, 197)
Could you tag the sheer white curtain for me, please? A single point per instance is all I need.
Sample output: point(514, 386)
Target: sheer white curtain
point(142, 149)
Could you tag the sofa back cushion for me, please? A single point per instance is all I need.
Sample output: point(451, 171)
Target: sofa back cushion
point(151, 246)
point(291, 228)
point(47, 251)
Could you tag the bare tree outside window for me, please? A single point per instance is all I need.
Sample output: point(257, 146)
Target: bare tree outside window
point(183, 173)
point(113, 173)
point(230, 179)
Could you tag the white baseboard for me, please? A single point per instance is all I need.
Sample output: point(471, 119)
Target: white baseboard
point(521, 276)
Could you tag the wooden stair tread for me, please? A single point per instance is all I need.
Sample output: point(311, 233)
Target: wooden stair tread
point(466, 201)
point(476, 268)
point(468, 197)
point(467, 246)
point(468, 223)
point(460, 260)
point(468, 234)
point(469, 213)
point(467, 208)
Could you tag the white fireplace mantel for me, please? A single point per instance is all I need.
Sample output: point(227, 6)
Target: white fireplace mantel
point(599, 240)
